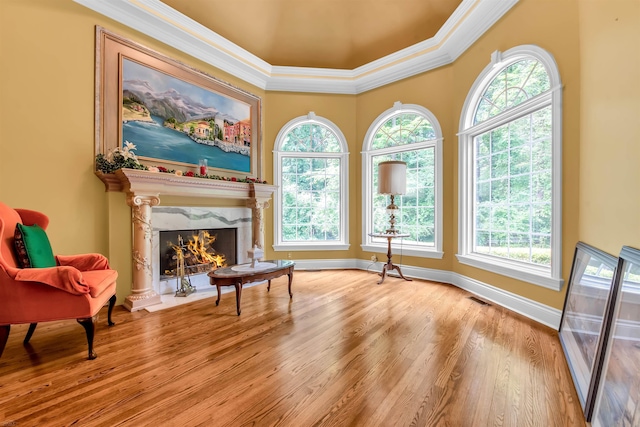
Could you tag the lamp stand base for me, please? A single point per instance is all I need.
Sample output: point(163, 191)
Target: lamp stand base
point(389, 266)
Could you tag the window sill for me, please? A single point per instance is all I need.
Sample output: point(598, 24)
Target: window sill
point(398, 249)
point(314, 246)
point(539, 276)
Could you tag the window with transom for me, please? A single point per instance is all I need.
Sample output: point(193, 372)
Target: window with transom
point(412, 134)
point(310, 170)
point(510, 169)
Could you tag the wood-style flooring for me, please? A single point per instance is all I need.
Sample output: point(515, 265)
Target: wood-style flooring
point(343, 352)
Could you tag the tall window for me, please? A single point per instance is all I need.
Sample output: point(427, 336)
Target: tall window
point(510, 168)
point(412, 134)
point(310, 170)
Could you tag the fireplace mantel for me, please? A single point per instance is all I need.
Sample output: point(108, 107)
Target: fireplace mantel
point(144, 189)
point(136, 181)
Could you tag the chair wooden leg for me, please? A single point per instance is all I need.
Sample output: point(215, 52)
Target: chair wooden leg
point(32, 328)
point(89, 325)
point(4, 336)
point(112, 302)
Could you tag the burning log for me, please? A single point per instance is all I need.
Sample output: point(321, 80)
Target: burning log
point(196, 256)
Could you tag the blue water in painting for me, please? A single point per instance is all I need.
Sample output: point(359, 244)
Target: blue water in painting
point(155, 140)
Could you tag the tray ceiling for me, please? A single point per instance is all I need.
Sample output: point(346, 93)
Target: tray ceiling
point(313, 45)
point(342, 34)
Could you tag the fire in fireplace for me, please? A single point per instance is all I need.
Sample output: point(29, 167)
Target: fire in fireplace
point(203, 250)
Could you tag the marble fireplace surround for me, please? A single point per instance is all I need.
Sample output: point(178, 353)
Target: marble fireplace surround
point(144, 190)
point(169, 218)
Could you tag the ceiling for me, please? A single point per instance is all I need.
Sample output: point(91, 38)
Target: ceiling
point(304, 45)
point(337, 34)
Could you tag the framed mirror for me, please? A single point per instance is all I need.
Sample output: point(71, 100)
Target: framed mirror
point(586, 318)
point(618, 398)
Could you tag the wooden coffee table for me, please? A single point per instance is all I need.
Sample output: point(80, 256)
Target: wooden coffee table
point(239, 275)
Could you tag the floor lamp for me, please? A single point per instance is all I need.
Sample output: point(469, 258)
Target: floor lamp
point(392, 181)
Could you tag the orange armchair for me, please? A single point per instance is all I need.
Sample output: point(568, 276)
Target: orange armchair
point(76, 288)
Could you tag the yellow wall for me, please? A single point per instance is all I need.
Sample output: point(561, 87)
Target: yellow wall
point(431, 90)
point(552, 25)
point(279, 109)
point(609, 199)
point(47, 126)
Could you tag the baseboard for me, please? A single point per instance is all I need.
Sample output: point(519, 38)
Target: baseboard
point(534, 310)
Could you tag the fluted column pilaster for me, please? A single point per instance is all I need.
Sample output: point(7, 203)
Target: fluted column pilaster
point(142, 292)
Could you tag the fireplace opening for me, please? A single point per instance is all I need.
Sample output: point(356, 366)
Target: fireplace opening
point(203, 250)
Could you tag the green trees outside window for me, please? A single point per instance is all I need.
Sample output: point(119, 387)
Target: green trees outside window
point(510, 168)
point(412, 134)
point(310, 199)
point(310, 171)
point(418, 204)
point(512, 205)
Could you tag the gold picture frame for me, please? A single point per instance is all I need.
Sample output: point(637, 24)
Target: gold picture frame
point(175, 115)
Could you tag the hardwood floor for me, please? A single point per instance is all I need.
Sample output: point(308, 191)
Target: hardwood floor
point(343, 352)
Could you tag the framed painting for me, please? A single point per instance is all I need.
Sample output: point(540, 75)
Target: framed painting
point(618, 398)
point(586, 318)
point(175, 116)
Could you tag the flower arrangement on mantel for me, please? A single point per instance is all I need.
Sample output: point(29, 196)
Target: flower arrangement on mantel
point(124, 157)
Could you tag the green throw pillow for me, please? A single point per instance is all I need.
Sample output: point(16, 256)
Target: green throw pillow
point(33, 247)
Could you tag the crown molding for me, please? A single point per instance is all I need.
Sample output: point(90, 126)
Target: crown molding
point(469, 21)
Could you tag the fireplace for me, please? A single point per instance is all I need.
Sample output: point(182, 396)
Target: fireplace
point(144, 190)
point(230, 228)
point(203, 250)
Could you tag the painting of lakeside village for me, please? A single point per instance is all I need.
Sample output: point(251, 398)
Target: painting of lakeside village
point(175, 121)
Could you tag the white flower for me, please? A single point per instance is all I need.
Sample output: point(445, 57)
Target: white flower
point(179, 173)
point(126, 152)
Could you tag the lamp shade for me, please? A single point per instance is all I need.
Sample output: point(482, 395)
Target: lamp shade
point(392, 177)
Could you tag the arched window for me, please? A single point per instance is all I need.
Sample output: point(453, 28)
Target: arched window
point(412, 134)
point(510, 168)
point(310, 169)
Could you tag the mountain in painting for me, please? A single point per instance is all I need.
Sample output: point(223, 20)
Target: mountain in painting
point(170, 103)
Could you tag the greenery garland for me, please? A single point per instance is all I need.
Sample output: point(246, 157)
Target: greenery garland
point(124, 158)
point(118, 162)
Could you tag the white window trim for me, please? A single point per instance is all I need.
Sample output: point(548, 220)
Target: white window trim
point(367, 186)
point(548, 277)
point(343, 155)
